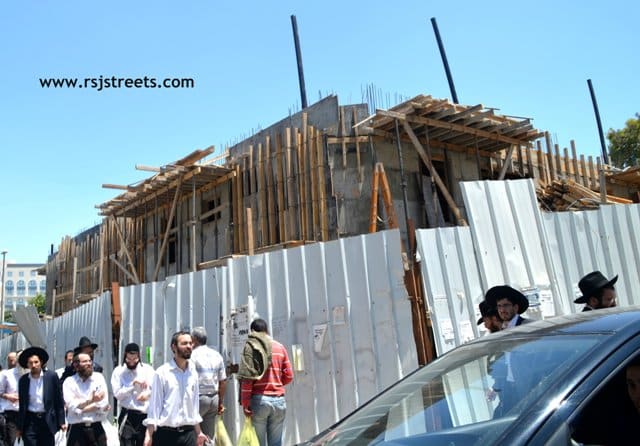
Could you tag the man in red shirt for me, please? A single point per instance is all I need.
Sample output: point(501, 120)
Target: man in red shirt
point(262, 389)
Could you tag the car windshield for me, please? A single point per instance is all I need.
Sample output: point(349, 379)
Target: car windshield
point(469, 396)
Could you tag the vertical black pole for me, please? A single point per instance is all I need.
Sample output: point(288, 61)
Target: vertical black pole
point(443, 54)
point(296, 41)
point(603, 146)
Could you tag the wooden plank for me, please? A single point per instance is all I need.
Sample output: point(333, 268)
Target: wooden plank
point(322, 185)
point(542, 170)
point(427, 161)
point(583, 168)
point(250, 234)
point(262, 202)
point(602, 182)
point(355, 129)
point(373, 208)
point(552, 170)
point(236, 221)
point(528, 151)
point(313, 173)
point(567, 165)
point(252, 179)
point(348, 139)
point(305, 178)
point(301, 192)
point(559, 167)
point(592, 174)
point(343, 132)
point(291, 188)
point(520, 160)
point(280, 186)
point(576, 171)
point(271, 203)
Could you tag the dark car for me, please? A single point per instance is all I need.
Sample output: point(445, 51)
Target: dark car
point(560, 381)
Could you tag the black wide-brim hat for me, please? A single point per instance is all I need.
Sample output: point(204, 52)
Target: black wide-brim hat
point(486, 310)
point(506, 292)
point(29, 352)
point(84, 342)
point(591, 284)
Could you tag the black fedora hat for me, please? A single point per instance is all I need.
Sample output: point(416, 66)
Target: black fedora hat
point(29, 352)
point(486, 310)
point(506, 292)
point(84, 342)
point(591, 284)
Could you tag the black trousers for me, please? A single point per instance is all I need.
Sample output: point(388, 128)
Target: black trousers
point(36, 431)
point(83, 435)
point(9, 426)
point(170, 437)
point(131, 432)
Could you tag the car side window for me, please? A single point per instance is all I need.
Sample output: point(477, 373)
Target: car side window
point(610, 416)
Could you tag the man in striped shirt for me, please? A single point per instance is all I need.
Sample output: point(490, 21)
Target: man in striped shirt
point(262, 396)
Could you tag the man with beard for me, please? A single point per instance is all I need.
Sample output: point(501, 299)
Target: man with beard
point(86, 396)
point(131, 384)
point(41, 411)
point(9, 398)
point(84, 346)
point(597, 291)
point(173, 418)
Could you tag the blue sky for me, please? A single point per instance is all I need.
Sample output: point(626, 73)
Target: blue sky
point(58, 146)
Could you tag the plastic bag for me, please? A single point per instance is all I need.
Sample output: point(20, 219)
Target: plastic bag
point(248, 436)
point(60, 439)
point(222, 436)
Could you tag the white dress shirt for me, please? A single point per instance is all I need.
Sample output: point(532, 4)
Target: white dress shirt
point(210, 367)
point(77, 391)
point(36, 401)
point(126, 392)
point(9, 384)
point(174, 396)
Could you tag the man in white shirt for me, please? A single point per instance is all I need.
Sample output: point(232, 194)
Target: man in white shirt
point(41, 411)
point(9, 397)
point(86, 397)
point(131, 384)
point(212, 380)
point(173, 418)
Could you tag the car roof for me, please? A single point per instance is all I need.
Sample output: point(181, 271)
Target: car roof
point(622, 321)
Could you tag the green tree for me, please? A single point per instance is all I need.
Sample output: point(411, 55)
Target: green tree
point(40, 303)
point(624, 144)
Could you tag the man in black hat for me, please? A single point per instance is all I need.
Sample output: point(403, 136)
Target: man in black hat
point(131, 384)
point(489, 316)
point(510, 304)
point(41, 407)
point(597, 291)
point(84, 346)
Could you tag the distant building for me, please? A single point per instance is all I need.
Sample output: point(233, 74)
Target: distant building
point(22, 283)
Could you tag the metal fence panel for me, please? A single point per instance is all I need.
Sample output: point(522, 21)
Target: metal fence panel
point(339, 307)
point(605, 239)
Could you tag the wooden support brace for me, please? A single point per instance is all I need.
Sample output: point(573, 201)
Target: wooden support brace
point(165, 239)
point(125, 249)
point(434, 174)
point(507, 162)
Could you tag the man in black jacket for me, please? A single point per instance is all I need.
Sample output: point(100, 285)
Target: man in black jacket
point(41, 407)
point(597, 291)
